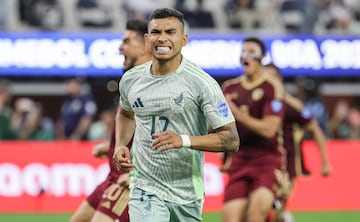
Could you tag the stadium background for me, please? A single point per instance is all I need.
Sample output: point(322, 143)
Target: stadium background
point(330, 58)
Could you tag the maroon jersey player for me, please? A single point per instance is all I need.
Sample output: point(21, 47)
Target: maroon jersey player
point(256, 101)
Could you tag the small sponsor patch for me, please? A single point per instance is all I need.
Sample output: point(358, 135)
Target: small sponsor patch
point(222, 109)
point(305, 113)
point(276, 105)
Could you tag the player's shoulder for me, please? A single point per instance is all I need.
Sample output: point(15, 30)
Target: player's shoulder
point(276, 85)
point(196, 75)
point(293, 102)
point(193, 69)
point(233, 81)
point(136, 70)
point(273, 82)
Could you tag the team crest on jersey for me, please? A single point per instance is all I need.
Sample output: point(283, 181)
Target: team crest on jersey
point(305, 113)
point(276, 105)
point(177, 101)
point(257, 94)
point(222, 109)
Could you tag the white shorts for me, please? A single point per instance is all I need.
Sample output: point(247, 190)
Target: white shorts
point(147, 207)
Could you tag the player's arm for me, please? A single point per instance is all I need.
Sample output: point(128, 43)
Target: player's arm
point(225, 157)
point(319, 137)
point(224, 138)
point(124, 126)
point(124, 130)
point(266, 127)
point(101, 150)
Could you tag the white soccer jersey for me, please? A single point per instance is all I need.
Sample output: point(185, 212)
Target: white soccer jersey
point(186, 102)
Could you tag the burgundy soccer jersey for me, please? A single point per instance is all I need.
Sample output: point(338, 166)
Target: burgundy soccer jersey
point(261, 98)
point(258, 159)
point(295, 119)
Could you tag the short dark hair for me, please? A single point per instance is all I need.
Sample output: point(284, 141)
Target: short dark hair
point(166, 13)
point(257, 41)
point(137, 25)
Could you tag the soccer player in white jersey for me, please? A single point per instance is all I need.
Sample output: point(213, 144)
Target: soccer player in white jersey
point(168, 104)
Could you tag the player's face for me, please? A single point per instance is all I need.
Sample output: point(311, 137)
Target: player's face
point(166, 38)
point(74, 88)
point(131, 48)
point(250, 57)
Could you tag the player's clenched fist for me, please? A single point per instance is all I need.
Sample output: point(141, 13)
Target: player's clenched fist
point(122, 158)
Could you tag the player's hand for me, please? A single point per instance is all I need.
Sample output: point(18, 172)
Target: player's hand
point(226, 161)
point(166, 140)
point(239, 113)
point(100, 150)
point(122, 158)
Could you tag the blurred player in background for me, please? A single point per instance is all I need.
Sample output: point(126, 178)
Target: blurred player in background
point(296, 120)
point(77, 113)
point(108, 202)
point(256, 101)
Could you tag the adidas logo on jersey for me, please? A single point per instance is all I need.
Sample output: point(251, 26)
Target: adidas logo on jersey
point(138, 103)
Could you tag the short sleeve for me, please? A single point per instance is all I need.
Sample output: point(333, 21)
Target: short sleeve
point(123, 100)
point(215, 107)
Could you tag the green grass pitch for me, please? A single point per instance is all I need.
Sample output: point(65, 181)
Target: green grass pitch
point(352, 216)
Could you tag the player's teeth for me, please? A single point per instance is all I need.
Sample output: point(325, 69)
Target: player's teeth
point(163, 49)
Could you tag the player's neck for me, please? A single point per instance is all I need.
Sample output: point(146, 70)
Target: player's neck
point(163, 67)
point(252, 77)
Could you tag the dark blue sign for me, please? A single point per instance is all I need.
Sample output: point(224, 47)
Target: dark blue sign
point(96, 54)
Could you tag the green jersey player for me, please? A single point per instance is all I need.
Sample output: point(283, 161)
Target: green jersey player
point(168, 104)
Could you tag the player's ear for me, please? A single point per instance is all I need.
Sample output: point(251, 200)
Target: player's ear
point(146, 40)
point(185, 39)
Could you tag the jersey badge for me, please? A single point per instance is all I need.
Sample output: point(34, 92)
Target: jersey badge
point(222, 109)
point(177, 101)
point(257, 94)
point(276, 105)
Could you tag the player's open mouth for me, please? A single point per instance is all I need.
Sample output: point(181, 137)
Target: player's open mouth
point(163, 49)
point(245, 63)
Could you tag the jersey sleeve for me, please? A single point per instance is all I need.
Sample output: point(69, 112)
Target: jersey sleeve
point(215, 106)
point(274, 104)
point(123, 90)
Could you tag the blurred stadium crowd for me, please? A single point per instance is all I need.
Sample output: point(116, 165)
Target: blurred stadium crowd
point(272, 16)
point(41, 117)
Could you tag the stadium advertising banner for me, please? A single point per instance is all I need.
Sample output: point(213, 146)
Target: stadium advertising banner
point(57, 176)
point(96, 54)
